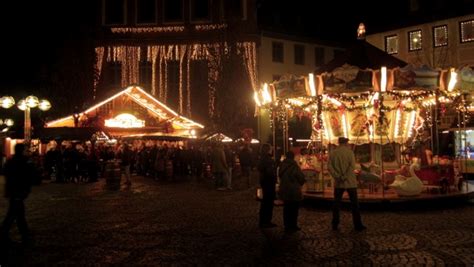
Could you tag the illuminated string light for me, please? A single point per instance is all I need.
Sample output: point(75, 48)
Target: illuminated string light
point(147, 29)
point(99, 53)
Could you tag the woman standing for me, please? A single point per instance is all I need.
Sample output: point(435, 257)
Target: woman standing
point(291, 181)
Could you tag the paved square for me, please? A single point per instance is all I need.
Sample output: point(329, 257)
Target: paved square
point(190, 223)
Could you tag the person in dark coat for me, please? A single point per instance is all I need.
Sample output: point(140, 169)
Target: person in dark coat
point(19, 176)
point(267, 170)
point(291, 181)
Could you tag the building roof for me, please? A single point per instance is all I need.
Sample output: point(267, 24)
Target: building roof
point(364, 56)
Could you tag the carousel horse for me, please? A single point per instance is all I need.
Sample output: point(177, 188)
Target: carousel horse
point(408, 185)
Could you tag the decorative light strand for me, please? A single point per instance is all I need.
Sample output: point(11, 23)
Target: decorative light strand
point(147, 29)
point(210, 27)
point(99, 54)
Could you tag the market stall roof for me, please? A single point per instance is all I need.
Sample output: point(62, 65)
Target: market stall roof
point(143, 99)
point(364, 56)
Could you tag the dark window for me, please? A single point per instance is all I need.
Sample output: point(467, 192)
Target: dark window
point(299, 54)
point(319, 56)
point(236, 8)
point(467, 31)
point(173, 10)
point(173, 84)
point(200, 9)
point(277, 52)
point(414, 40)
point(145, 75)
point(114, 11)
point(146, 11)
point(337, 52)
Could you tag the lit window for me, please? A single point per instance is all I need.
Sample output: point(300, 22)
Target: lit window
point(277, 52)
point(391, 44)
point(467, 31)
point(299, 54)
point(440, 35)
point(415, 40)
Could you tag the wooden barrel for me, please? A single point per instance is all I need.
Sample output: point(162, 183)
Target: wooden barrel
point(112, 172)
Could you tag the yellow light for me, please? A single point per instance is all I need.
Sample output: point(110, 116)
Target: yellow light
point(397, 121)
point(452, 80)
point(7, 102)
point(266, 94)
point(344, 124)
point(312, 86)
point(412, 121)
point(125, 120)
point(256, 98)
point(9, 122)
point(22, 104)
point(1, 122)
point(44, 105)
point(32, 101)
point(383, 80)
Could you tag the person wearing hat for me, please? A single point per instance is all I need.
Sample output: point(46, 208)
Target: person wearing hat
point(341, 166)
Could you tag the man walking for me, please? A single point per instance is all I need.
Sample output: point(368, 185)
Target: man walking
point(267, 170)
point(19, 174)
point(341, 167)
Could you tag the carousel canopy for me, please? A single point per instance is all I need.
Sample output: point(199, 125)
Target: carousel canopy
point(364, 56)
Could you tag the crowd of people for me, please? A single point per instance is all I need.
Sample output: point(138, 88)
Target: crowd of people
point(160, 160)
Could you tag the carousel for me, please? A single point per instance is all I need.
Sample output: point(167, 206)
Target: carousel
point(390, 112)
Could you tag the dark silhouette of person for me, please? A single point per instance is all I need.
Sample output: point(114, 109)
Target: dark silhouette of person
point(267, 170)
point(291, 181)
point(19, 175)
point(341, 167)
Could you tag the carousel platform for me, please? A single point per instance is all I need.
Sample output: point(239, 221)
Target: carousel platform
point(430, 195)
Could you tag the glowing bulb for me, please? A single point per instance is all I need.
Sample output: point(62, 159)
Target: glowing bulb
point(312, 86)
point(44, 105)
point(452, 80)
point(22, 104)
point(256, 98)
point(383, 80)
point(7, 102)
point(9, 122)
point(32, 101)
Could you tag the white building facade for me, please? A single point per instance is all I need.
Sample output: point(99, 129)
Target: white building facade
point(438, 44)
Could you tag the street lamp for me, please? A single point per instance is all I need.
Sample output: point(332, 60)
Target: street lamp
point(27, 104)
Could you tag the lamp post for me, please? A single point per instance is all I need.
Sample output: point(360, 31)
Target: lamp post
point(26, 105)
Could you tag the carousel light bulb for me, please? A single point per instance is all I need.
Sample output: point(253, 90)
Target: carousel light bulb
point(256, 98)
point(32, 101)
point(452, 80)
point(1, 122)
point(22, 104)
point(266, 94)
point(7, 102)
point(312, 86)
point(383, 80)
point(9, 122)
point(44, 105)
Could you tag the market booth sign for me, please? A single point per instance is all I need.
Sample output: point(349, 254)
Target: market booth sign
point(125, 120)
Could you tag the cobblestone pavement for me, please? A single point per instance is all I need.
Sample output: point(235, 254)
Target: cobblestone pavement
point(190, 223)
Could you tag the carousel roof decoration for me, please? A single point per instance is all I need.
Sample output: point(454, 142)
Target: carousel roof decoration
point(141, 98)
point(367, 105)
